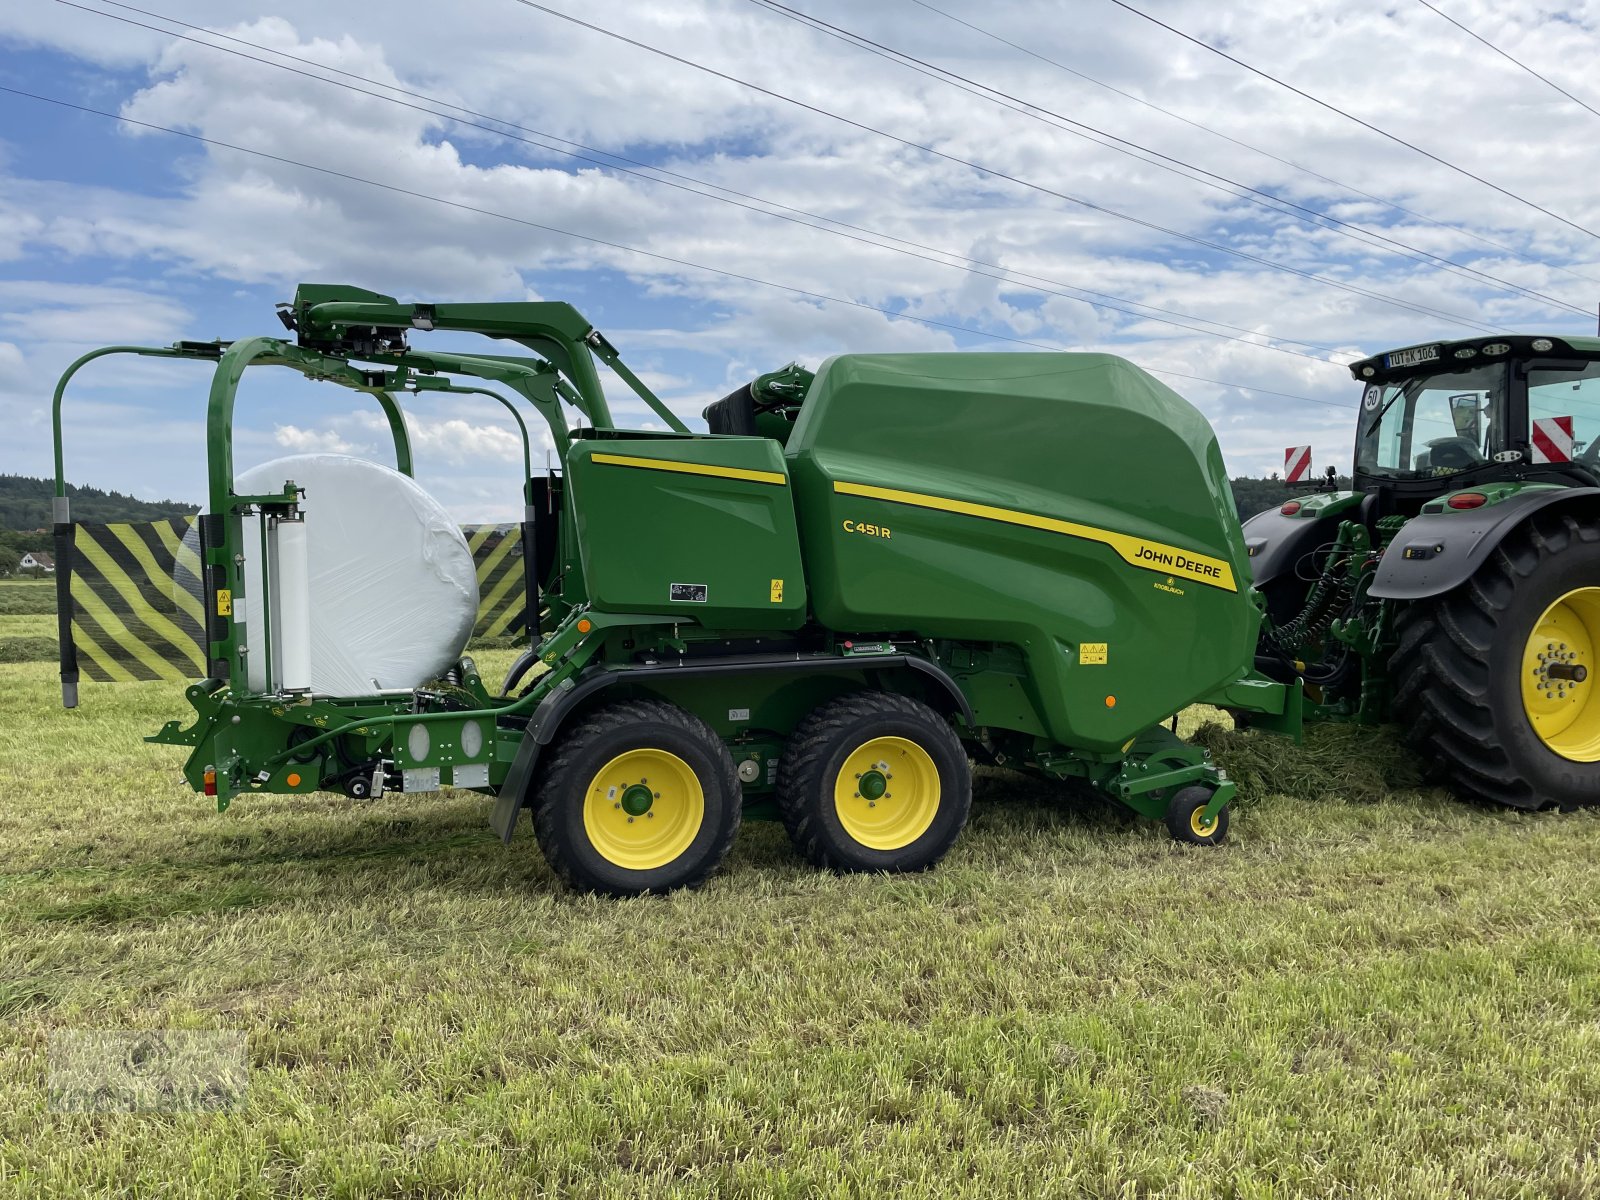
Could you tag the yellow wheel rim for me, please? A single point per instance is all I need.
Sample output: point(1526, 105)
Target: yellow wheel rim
point(1559, 687)
point(643, 809)
point(887, 793)
point(1200, 824)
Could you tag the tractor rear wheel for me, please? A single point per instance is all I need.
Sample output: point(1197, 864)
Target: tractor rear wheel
point(639, 797)
point(874, 781)
point(1499, 680)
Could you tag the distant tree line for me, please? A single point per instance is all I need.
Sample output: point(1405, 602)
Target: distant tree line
point(1257, 495)
point(26, 522)
point(25, 505)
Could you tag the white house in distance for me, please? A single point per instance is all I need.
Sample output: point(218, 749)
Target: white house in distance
point(38, 560)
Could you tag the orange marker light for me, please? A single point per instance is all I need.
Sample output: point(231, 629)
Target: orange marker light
point(210, 778)
point(585, 625)
point(292, 779)
point(1111, 701)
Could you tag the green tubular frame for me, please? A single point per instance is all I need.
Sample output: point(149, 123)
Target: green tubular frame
point(563, 372)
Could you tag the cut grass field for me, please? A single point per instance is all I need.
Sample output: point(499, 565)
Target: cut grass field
point(1372, 990)
point(27, 621)
point(22, 597)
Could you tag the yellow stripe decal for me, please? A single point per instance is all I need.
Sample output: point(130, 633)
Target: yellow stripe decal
point(689, 468)
point(1151, 556)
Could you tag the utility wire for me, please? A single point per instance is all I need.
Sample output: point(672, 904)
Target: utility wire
point(1548, 82)
point(1105, 300)
point(1351, 189)
point(396, 189)
point(1269, 201)
point(1384, 133)
point(995, 173)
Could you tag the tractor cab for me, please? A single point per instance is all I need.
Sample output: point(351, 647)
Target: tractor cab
point(1445, 417)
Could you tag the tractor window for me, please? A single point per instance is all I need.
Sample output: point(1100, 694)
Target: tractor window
point(1432, 425)
point(1564, 412)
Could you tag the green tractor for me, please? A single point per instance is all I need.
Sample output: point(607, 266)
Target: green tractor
point(860, 581)
point(1455, 589)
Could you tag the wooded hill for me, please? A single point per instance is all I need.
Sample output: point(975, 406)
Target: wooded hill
point(25, 504)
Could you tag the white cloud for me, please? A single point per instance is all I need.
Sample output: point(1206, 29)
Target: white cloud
point(310, 441)
point(259, 225)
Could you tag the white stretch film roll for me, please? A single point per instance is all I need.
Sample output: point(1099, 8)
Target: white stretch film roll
point(291, 601)
point(393, 593)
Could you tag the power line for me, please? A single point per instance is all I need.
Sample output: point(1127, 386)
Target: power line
point(463, 207)
point(1399, 141)
point(993, 172)
point(1269, 201)
point(1102, 302)
point(1550, 83)
point(1217, 133)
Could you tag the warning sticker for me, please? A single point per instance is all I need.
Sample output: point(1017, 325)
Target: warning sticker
point(1092, 654)
point(224, 602)
point(688, 593)
point(777, 591)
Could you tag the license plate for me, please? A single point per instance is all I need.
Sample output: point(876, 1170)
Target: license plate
point(1406, 358)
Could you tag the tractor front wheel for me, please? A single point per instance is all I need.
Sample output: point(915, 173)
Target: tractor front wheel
point(1499, 679)
point(639, 797)
point(874, 781)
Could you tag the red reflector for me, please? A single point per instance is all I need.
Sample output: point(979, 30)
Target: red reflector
point(211, 783)
point(1468, 500)
point(1290, 508)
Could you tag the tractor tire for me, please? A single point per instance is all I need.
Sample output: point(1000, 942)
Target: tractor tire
point(839, 797)
point(1472, 671)
point(640, 797)
point(1186, 818)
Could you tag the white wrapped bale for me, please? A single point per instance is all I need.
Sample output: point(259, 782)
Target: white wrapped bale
point(392, 587)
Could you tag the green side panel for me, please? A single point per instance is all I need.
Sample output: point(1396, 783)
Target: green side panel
point(1106, 547)
point(702, 527)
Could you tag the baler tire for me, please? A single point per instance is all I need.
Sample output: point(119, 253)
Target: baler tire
point(819, 751)
point(656, 731)
point(1184, 820)
point(1458, 669)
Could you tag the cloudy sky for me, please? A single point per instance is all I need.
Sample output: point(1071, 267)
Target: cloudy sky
point(947, 175)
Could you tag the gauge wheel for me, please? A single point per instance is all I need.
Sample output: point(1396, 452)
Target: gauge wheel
point(874, 781)
point(1187, 820)
point(638, 797)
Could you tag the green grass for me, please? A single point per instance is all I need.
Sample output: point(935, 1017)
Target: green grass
point(27, 621)
point(1368, 992)
point(27, 597)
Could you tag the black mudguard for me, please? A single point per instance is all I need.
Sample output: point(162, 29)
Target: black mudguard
point(1277, 545)
point(1437, 552)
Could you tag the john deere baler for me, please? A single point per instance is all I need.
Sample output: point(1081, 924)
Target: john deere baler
point(858, 582)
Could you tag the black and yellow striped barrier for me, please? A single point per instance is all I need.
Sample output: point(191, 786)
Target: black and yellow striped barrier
point(502, 591)
point(136, 601)
point(136, 596)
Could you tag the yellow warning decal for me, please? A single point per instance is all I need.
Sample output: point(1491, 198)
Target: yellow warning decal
point(1092, 654)
point(1137, 551)
point(777, 591)
point(224, 602)
point(689, 468)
